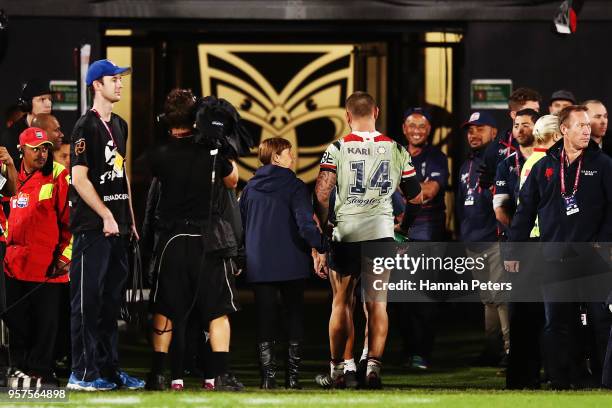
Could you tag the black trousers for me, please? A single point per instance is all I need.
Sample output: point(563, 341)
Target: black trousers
point(62, 346)
point(525, 359)
point(33, 325)
point(526, 317)
point(417, 320)
point(97, 279)
point(606, 377)
point(417, 324)
point(268, 310)
point(563, 334)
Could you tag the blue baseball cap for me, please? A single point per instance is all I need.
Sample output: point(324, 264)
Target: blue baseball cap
point(103, 68)
point(421, 111)
point(480, 118)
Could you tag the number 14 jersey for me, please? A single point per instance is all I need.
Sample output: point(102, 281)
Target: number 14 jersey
point(369, 167)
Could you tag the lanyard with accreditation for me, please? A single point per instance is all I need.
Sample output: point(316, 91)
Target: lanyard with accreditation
point(571, 206)
point(118, 165)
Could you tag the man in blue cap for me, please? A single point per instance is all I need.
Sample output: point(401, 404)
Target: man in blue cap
point(478, 229)
point(102, 222)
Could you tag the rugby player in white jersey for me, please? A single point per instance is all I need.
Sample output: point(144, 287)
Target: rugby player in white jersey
point(365, 167)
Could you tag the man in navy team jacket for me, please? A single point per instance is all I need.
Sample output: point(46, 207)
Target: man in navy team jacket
point(572, 211)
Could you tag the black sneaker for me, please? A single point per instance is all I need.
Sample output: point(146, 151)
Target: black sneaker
point(228, 382)
point(155, 382)
point(325, 381)
point(350, 379)
point(373, 381)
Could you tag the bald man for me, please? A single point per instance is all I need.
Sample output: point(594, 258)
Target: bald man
point(51, 125)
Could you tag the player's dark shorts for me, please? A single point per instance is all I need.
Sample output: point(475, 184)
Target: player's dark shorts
point(345, 257)
point(183, 283)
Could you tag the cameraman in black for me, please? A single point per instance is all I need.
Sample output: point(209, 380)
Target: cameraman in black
point(194, 266)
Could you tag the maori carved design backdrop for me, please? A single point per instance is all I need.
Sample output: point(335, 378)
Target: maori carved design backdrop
point(292, 91)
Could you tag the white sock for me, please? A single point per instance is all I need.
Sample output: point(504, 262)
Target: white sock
point(349, 365)
point(336, 370)
point(210, 381)
point(364, 354)
point(178, 381)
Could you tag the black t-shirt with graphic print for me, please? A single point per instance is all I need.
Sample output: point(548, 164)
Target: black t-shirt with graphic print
point(92, 146)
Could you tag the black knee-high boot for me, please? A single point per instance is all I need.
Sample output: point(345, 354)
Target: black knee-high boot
point(293, 366)
point(267, 365)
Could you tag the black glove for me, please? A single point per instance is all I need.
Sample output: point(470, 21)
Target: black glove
point(486, 178)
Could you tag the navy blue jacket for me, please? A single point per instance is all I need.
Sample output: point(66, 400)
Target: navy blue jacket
point(499, 149)
point(431, 164)
point(477, 221)
point(279, 229)
point(507, 176)
point(507, 180)
point(541, 196)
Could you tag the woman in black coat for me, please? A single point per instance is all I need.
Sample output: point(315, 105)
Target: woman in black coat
point(281, 236)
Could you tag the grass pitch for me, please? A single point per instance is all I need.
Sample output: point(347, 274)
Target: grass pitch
point(310, 398)
point(452, 381)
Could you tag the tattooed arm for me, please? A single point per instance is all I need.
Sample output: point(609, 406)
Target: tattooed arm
point(325, 184)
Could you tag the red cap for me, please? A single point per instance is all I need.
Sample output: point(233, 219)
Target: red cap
point(33, 137)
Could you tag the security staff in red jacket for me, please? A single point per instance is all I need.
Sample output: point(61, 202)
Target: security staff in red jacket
point(38, 250)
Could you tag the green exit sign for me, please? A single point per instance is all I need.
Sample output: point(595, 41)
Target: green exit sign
point(65, 95)
point(490, 93)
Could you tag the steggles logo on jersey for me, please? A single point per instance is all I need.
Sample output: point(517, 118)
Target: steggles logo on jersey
point(292, 91)
point(363, 202)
